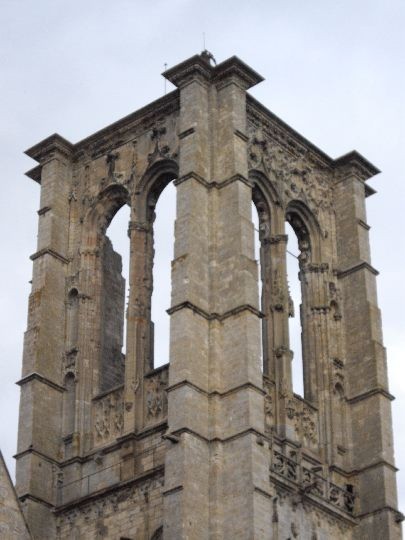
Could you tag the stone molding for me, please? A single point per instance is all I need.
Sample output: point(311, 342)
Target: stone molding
point(215, 316)
point(197, 69)
point(157, 471)
point(215, 393)
point(370, 393)
point(355, 268)
point(214, 184)
point(52, 253)
point(53, 144)
point(249, 431)
point(23, 497)
point(41, 378)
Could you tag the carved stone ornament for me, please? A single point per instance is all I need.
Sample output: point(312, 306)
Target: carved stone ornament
point(109, 416)
point(277, 291)
point(290, 409)
point(268, 407)
point(308, 425)
point(293, 176)
point(161, 149)
point(156, 396)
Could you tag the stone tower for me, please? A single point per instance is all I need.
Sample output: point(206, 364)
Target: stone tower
point(215, 444)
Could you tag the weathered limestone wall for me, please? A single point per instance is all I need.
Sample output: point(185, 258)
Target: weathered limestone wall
point(12, 521)
point(210, 446)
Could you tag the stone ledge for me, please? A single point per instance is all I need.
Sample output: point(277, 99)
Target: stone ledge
point(186, 133)
point(45, 148)
point(370, 393)
point(198, 69)
point(359, 266)
point(157, 471)
point(261, 491)
point(172, 490)
point(215, 316)
point(214, 184)
point(363, 224)
point(380, 463)
point(42, 211)
point(386, 508)
point(214, 393)
point(38, 453)
point(241, 135)
point(114, 445)
point(38, 377)
point(51, 252)
point(35, 173)
point(36, 499)
point(209, 440)
point(321, 504)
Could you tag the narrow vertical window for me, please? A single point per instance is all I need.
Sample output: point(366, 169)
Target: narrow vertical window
point(294, 310)
point(258, 257)
point(163, 237)
point(115, 263)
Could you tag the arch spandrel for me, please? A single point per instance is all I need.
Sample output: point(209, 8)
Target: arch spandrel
point(293, 171)
point(121, 157)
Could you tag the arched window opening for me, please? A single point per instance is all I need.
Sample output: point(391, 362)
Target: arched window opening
point(115, 270)
point(258, 257)
point(69, 405)
point(295, 309)
point(163, 240)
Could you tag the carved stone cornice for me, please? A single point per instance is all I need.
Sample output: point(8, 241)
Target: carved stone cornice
point(198, 69)
point(106, 139)
point(192, 69)
point(234, 71)
point(354, 164)
point(286, 136)
point(35, 173)
point(52, 145)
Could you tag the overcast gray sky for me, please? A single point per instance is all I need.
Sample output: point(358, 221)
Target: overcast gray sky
point(335, 71)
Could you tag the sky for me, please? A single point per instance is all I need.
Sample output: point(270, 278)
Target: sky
point(334, 71)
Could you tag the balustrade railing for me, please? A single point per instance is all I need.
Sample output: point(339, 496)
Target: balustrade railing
point(310, 482)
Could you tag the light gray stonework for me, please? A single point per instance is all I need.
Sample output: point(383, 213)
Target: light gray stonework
point(12, 521)
point(213, 445)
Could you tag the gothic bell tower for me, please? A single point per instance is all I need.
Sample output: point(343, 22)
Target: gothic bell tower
point(213, 445)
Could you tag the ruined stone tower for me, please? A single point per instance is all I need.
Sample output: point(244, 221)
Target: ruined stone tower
point(215, 444)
